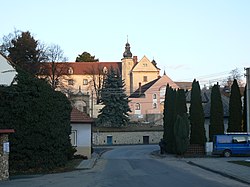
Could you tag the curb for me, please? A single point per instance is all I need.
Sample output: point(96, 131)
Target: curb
point(220, 173)
point(86, 164)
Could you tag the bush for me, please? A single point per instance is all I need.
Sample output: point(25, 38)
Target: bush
point(41, 119)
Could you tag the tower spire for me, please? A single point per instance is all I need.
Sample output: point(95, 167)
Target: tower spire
point(127, 53)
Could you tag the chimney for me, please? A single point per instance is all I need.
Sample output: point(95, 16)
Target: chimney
point(139, 88)
point(135, 59)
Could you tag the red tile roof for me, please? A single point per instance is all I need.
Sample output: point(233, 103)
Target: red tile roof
point(80, 68)
point(84, 68)
point(80, 117)
point(6, 131)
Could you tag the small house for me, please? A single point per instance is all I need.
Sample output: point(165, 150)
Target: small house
point(81, 132)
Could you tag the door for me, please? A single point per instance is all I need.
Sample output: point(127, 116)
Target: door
point(145, 139)
point(109, 140)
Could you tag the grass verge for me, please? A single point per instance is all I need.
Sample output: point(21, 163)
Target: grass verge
point(243, 163)
point(70, 166)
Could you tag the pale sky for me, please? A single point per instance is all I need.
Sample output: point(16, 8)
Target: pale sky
point(202, 39)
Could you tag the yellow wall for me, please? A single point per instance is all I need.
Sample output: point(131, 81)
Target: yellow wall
point(144, 68)
point(127, 65)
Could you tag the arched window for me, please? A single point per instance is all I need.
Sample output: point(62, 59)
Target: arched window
point(105, 70)
point(154, 96)
point(137, 106)
point(70, 71)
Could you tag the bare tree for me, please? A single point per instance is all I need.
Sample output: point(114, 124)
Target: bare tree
point(6, 43)
point(97, 76)
point(56, 67)
point(234, 74)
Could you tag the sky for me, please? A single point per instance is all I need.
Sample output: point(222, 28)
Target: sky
point(202, 39)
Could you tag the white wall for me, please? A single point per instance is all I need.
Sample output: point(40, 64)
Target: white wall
point(7, 72)
point(83, 138)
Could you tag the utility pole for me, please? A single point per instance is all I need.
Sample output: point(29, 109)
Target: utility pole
point(248, 98)
point(92, 103)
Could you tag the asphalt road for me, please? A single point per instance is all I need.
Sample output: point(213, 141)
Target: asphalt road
point(131, 166)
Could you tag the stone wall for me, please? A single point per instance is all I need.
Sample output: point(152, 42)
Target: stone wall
point(4, 159)
point(119, 138)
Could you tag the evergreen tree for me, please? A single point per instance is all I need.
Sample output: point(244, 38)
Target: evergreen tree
point(181, 105)
point(216, 113)
point(174, 104)
point(24, 53)
point(165, 116)
point(169, 119)
point(41, 119)
point(115, 101)
point(86, 57)
point(244, 115)
point(235, 109)
point(197, 116)
point(181, 132)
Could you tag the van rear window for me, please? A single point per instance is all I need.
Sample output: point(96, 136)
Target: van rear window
point(239, 139)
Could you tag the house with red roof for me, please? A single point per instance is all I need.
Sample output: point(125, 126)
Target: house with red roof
point(81, 132)
point(147, 102)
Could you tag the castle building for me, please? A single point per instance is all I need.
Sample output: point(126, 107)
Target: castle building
point(135, 73)
point(88, 76)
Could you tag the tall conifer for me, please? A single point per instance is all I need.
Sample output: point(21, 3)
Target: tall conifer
point(169, 119)
point(244, 115)
point(235, 109)
point(165, 118)
point(216, 113)
point(197, 116)
point(115, 101)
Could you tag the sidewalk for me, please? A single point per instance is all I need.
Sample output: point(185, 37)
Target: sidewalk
point(219, 165)
point(223, 167)
point(89, 163)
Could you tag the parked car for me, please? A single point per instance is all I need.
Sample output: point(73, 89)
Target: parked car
point(231, 144)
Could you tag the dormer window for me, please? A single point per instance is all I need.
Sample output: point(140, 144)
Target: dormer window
point(70, 71)
point(105, 70)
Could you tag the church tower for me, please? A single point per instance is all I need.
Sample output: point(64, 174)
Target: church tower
point(127, 65)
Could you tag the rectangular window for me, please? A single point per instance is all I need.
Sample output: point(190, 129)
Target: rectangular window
point(70, 82)
point(145, 79)
point(73, 137)
point(85, 81)
point(137, 106)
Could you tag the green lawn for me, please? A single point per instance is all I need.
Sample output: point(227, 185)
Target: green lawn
point(243, 163)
